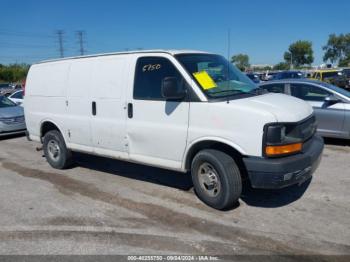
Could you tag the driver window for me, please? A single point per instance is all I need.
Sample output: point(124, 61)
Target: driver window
point(150, 71)
point(309, 92)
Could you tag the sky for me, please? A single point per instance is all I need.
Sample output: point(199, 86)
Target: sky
point(262, 29)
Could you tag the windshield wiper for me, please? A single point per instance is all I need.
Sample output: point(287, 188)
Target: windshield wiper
point(224, 91)
point(257, 91)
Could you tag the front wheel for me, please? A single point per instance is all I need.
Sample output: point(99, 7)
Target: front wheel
point(216, 179)
point(55, 150)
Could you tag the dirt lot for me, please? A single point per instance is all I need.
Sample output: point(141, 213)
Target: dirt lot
point(104, 206)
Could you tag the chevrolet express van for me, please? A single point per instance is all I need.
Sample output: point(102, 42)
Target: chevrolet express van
point(179, 110)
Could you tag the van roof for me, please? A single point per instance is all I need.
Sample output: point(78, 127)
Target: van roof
point(167, 51)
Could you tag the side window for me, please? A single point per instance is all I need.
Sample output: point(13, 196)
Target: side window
point(274, 88)
point(18, 95)
point(309, 92)
point(150, 72)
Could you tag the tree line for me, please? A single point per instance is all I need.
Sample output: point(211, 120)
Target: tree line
point(300, 54)
point(13, 73)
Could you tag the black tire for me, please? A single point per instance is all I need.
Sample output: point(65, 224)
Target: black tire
point(227, 174)
point(63, 159)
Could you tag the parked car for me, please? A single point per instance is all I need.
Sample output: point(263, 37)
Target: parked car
point(17, 97)
point(254, 77)
point(268, 76)
point(11, 117)
point(346, 73)
point(5, 89)
point(331, 103)
point(331, 76)
point(165, 109)
point(288, 75)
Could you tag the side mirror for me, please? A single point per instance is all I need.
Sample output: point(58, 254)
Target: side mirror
point(171, 90)
point(330, 100)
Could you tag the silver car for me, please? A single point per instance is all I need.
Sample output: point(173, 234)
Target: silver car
point(11, 117)
point(331, 103)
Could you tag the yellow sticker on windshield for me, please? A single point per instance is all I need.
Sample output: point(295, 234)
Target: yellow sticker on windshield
point(205, 80)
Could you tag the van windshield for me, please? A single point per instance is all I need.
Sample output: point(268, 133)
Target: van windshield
point(216, 76)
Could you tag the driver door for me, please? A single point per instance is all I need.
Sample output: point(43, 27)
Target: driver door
point(156, 127)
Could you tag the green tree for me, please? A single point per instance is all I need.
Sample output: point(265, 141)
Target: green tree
point(241, 61)
point(299, 53)
point(337, 49)
point(13, 73)
point(281, 66)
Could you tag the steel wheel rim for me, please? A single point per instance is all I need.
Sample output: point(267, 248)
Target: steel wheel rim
point(209, 179)
point(54, 150)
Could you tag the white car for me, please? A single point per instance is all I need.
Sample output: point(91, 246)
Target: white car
point(180, 110)
point(17, 97)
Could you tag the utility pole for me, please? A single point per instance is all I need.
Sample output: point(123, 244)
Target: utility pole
point(80, 35)
point(228, 56)
point(60, 34)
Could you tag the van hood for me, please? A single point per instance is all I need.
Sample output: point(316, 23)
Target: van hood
point(284, 108)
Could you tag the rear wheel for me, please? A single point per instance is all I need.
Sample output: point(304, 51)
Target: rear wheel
point(55, 150)
point(216, 179)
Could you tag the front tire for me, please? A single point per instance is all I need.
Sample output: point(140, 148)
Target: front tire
point(56, 152)
point(216, 179)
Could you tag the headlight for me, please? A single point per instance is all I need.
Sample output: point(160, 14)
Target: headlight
point(287, 138)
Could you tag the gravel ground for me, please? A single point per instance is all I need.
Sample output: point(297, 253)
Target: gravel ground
point(104, 206)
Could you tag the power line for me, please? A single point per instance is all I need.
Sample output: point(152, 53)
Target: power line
point(80, 35)
point(60, 34)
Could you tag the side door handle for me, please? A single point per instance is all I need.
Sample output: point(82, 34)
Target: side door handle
point(130, 110)
point(93, 108)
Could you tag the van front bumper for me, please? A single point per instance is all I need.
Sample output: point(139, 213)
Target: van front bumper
point(281, 172)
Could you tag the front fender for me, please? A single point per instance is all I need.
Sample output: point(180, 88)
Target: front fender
point(195, 142)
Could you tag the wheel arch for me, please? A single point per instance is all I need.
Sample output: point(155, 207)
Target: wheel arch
point(49, 125)
point(215, 143)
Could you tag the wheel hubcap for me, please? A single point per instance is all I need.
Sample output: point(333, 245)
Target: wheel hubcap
point(54, 150)
point(209, 179)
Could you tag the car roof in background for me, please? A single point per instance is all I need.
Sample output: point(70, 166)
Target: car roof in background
point(309, 81)
point(290, 71)
point(293, 80)
point(328, 70)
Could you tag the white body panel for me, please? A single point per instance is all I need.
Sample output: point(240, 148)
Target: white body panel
point(160, 133)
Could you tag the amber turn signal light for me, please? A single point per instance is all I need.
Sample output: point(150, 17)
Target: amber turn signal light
point(281, 150)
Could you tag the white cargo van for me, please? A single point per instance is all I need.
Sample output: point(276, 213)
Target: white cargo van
point(180, 110)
